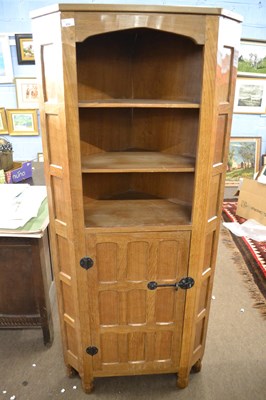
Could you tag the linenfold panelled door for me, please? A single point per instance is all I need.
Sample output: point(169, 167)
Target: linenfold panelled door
point(133, 328)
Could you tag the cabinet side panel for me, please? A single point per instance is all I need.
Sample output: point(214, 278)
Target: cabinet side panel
point(48, 49)
point(226, 76)
point(219, 75)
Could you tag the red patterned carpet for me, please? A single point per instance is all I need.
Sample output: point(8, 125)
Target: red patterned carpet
point(254, 255)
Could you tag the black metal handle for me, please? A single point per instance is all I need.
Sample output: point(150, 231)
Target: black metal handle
point(184, 283)
point(86, 262)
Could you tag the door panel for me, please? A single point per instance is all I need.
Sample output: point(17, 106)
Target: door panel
point(136, 329)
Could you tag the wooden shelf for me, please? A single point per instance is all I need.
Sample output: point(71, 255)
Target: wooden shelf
point(134, 161)
point(136, 103)
point(137, 213)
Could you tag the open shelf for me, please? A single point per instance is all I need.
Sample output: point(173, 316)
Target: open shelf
point(137, 199)
point(135, 213)
point(136, 103)
point(139, 108)
point(137, 162)
point(168, 131)
point(140, 68)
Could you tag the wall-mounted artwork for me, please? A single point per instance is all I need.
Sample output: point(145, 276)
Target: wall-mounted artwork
point(6, 68)
point(3, 122)
point(27, 92)
point(243, 159)
point(22, 122)
point(25, 50)
point(250, 96)
point(252, 58)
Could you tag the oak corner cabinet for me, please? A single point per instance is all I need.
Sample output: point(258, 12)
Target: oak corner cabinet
point(136, 109)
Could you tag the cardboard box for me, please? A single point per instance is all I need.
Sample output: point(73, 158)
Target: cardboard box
point(252, 201)
point(19, 172)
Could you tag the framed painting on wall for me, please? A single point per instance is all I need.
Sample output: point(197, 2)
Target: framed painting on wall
point(22, 122)
point(252, 58)
point(25, 50)
point(27, 92)
point(243, 159)
point(3, 122)
point(6, 68)
point(250, 96)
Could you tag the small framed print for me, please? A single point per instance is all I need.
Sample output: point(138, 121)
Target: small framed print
point(25, 50)
point(27, 92)
point(6, 68)
point(262, 175)
point(243, 159)
point(252, 58)
point(3, 122)
point(40, 157)
point(250, 96)
point(22, 122)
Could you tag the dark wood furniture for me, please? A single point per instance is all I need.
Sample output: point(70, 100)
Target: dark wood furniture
point(136, 108)
point(26, 278)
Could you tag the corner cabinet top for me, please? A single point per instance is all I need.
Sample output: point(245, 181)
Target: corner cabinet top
point(119, 8)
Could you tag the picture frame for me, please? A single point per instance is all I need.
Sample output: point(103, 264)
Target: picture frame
point(25, 49)
point(250, 96)
point(3, 122)
point(40, 157)
point(262, 175)
point(6, 67)
point(27, 92)
point(22, 122)
point(252, 58)
point(243, 159)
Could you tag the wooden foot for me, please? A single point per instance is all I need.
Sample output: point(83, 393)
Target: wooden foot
point(182, 381)
point(88, 387)
point(71, 372)
point(196, 367)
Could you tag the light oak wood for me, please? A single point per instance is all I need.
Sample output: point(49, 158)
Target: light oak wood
point(137, 162)
point(136, 110)
point(118, 213)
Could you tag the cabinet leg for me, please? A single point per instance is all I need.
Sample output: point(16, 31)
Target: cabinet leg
point(182, 380)
point(196, 367)
point(87, 387)
point(70, 371)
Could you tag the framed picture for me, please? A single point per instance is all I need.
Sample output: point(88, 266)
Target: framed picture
point(27, 92)
point(252, 58)
point(22, 122)
point(25, 51)
point(250, 96)
point(3, 122)
point(243, 159)
point(40, 157)
point(6, 68)
point(262, 175)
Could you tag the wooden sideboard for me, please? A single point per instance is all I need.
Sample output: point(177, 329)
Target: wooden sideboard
point(26, 279)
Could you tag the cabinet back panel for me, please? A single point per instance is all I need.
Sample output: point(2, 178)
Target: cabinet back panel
point(170, 131)
point(139, 63)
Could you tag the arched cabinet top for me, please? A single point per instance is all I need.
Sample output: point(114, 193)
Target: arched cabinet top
point(93, 19)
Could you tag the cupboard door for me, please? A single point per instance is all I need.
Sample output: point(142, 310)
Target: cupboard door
point(136, 330)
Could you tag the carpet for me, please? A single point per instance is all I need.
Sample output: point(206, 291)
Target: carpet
point(254, 255)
